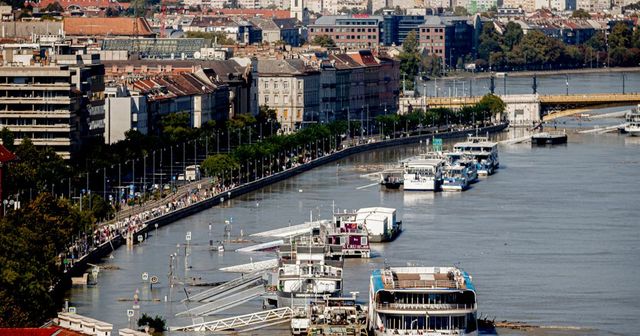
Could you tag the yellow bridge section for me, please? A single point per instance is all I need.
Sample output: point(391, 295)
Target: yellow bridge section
point(556, 106)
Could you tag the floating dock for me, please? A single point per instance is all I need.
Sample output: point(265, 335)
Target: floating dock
point(549, 138)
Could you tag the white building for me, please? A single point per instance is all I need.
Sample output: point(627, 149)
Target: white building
point(123, 112)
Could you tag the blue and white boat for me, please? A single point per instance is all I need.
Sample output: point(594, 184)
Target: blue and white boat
point(483, 151)
point(458, 176)
point(434, 301)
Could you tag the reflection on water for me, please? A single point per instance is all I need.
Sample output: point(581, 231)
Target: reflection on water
point(551, 239)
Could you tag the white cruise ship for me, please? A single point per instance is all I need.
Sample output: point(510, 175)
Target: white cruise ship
point(423, 174)
point(415, 301)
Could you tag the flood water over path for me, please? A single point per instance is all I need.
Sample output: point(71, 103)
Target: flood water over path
point(551, 239)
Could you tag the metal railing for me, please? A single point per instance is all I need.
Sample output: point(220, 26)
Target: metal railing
point(425, 306)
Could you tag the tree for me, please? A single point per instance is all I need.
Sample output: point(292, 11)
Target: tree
point(581, 14)
point(512, 35)
point(409, 59)
point(598, 41)
point(7, 138)
point(620, 36)
point(492, 103)
point(158, 324)
point(324, 41)
point(490, 42)
point(460, 11)
point(31, 239)
point(432, 65)
point(219, 38)
point(215, 165)
point(54, 7)
point(176, 127)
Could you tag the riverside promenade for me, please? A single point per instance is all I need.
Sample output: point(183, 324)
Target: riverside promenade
point(204, 194)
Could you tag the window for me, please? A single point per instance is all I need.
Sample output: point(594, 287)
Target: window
point(299, 84)
point(275, 85)
point(266, 100)
point(276, 99)
point(266, 84)
point(363, 241)
point(285, 85)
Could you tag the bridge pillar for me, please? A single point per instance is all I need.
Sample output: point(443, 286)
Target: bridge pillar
point(522, 110)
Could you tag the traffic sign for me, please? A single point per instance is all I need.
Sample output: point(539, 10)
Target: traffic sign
point(188, 237)
point(145, 276)
point(130, 312)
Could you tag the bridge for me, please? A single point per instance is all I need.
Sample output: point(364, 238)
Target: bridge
point(550, 107)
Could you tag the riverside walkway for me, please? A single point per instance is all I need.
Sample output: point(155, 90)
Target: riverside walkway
point(205, 193)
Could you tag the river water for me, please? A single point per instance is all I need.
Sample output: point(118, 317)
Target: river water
point(551, 239)
point(612, 82)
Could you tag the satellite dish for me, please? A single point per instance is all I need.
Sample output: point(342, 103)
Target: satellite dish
point(197, 55)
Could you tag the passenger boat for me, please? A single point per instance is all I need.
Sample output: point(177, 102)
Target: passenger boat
point(381, 223)
point(459, 176)
point(633, 122)
point(391, 181)
point(305, 274)
point(483, 151)
point(346, 237)
point(423, 174)
point(422, 301)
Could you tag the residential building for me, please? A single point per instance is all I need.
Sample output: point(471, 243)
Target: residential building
point(349, 32)
point(278, 30)
point(291, 88)
point(123, 112)
point(477, 6)
point(333, 7)
point(189, 93)
point(450, 37)
point(526, 5)
point(56, 101)
point(237, 75)
point(235, 28)
point(397, 27)
point(299, 11)
point(350, 86)
point(593, 6)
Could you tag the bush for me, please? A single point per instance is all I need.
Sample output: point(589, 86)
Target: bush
point(158, 324)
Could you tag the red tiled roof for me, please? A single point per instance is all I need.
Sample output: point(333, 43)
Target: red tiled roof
point(50, 331)
point(271, 13)
point(96, 26)
point(82, 3)
point(5, 156)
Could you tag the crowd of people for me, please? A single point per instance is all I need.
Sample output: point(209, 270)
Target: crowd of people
point(127, 227)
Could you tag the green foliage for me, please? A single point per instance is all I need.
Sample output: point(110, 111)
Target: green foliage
point(213, 37)
point(460, 11)
point(176, 127)
point(432, 65)
point(492, 103)
point(54, 7)
point(37, 168)
point(581, 14)
point(620, 36)
point(512, 35)
point(96, 206)
point(217, 164)
point(8, 139)
point(158, 324)
point(324, 41)
point(30, 240)
point(409, 59)
point(490, 42)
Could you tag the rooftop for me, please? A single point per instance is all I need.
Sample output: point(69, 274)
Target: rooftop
point(421, 277)
point(112, 26)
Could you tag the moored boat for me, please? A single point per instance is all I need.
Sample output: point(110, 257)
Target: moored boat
point(422, 301)
point(381, 223)
point(483, 151)
point(632, 127)
point(423, 174)
point(458, 176)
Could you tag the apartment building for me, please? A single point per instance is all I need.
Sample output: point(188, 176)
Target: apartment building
point(291, 88)
point(450, 38)
point(352, 32)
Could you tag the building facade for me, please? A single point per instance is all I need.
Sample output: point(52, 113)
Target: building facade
point(349, 32)
point(291, 88)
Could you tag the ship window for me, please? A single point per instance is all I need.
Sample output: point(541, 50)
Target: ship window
point(363, 241)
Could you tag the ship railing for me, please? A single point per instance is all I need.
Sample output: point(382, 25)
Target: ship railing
point(425, 306)
point(424, 284)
